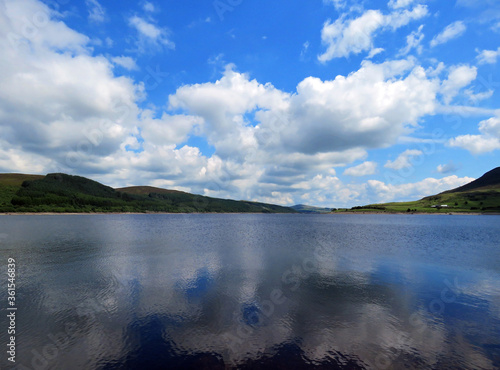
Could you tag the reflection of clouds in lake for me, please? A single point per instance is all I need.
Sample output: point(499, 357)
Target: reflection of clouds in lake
point(186, 289)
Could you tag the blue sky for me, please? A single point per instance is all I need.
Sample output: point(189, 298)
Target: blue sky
point(325, 102)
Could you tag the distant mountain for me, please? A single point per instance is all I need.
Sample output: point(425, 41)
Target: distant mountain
point(479, 196)
point(58, 192)
point(302, 208)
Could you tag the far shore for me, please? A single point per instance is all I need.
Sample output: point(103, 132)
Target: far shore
point(241, 213)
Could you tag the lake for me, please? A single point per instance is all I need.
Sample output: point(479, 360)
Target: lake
point(247, 291)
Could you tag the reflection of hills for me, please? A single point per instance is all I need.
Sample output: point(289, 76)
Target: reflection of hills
point(148, 347)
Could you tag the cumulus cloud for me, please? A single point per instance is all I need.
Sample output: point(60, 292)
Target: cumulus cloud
point(452, 31)
point(282, 139)
point(488, 56)
point(412, 191)
point(488, 141)
point(369, 108)
point(404, 160)
point(63, 109)
point(352, 36)
point(363, 169)
point(458, 78)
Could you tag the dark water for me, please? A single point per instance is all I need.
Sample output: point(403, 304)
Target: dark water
point(253, 291)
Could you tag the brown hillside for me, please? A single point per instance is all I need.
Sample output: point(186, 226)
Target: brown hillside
point(16, 179)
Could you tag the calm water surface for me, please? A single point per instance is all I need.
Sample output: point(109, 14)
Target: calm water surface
point(253, 291)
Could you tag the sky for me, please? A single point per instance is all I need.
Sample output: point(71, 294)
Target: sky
point(330, 103)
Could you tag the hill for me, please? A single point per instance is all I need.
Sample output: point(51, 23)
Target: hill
point(59, 192)
point(489, 181)
point(10, 184)
point(479, 196)
point(303, 208)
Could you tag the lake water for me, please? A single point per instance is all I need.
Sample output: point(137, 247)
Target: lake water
point(253, 291)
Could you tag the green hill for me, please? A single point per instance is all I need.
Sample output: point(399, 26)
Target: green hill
point(479, 196)
point(59, 192)
point(10, 184)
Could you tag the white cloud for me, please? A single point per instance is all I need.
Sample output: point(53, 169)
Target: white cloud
point(447, 168)
point(413, 41)
point(353, 36)
point(374, 52)
point(150, 33)
point(400, 18)
point(477, 97)
point(488, 141)
point(404, 160)
point(96, 11)
point(344, 37)
point(125, 62)
point(294, 137)
point(452, 31)
point(363, 169)
point(476, 144)
point(169, 130)
point(458, 78)
point(63, 109)
point(488, 56)
point(343, 113)
point(413, 191)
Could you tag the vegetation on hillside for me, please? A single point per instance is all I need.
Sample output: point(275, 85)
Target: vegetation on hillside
point(479, 196)
point(65, 193)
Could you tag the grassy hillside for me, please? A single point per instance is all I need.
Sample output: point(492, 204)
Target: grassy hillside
point(10, 184)
point(65, 193)
point(16, 179)
point(481, 196)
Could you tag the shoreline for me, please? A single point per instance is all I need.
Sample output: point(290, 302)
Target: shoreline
point(242, 213)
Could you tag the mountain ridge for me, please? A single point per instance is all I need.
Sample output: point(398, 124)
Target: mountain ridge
point(62, 193)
